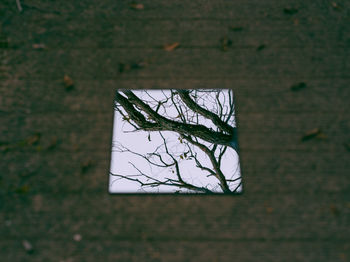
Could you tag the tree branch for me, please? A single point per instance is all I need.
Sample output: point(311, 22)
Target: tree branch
point(219, 175)
point(165, 124)
point(185, 96)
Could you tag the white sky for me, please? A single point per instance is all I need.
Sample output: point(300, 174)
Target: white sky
point(139, 142)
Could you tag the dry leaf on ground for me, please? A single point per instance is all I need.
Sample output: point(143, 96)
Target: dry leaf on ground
point(314, 133)
point(39, 46)
point(171, 47)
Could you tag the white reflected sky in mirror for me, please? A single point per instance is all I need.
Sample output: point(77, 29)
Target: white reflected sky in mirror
point(131, 150)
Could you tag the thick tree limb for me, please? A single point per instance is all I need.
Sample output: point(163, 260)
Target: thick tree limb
point(164, 124)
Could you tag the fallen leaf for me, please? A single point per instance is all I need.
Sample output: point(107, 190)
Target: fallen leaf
point(290, 11)
point(27, 246)
point(33, 140)
point(171, 47)
point(236, 28)
point(39, 46)
point(137, 6)
point(260, 47)
point(298, 86)
point(269, 209)
point(225, 43)
point(68, 83)
point(314, 133)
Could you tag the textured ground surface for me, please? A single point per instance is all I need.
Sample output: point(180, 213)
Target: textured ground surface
point(55, 142)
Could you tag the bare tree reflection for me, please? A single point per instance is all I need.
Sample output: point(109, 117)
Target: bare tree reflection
point(204, 121)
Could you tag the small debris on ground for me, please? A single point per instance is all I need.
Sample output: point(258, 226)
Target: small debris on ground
point(298, 86)
point(260, 47)
point(314, 133)
point(77, 237)
point(86, 166)
point(39, 46)
point(290, 11)
point(171, 47)
point(128, 67)
point(269, 209)
point(33, 140)
point(137, 6)
point(28, 247)
point(68, 83)
point(225, 43)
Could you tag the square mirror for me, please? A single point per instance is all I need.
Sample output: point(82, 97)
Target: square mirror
point(175, 141)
